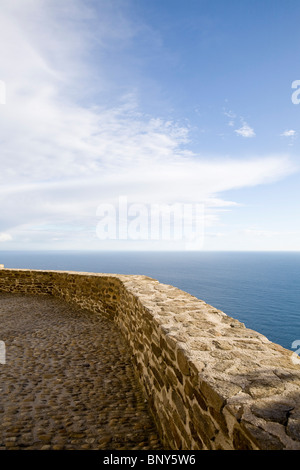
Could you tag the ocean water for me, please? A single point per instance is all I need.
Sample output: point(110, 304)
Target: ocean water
point(261, 289)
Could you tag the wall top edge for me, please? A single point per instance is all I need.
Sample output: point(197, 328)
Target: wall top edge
point(80, 273)
point(178, 312)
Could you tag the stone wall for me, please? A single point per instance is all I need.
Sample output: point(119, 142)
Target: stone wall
point(210, 382)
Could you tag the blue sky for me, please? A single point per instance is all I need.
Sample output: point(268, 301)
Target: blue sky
point(162, 102)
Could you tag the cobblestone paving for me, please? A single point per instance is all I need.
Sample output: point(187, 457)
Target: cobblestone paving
point(68, 381)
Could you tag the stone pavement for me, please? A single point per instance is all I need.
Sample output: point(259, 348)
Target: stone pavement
point(68, 381)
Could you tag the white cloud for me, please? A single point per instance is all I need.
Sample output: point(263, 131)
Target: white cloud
point(289, 133)
point(245, 131)
point(5, 237)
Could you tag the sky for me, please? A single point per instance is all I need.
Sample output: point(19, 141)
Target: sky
point(150, 125)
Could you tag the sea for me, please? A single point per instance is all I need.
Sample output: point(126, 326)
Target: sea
point(260, 289)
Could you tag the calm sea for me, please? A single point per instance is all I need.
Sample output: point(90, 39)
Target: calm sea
point(262, 290)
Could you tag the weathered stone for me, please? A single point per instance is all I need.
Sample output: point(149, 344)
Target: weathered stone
point(264, 387)
point(183, 362)
point(212, 397)
point(200, 399)
point(220, 420)
point(195, 436)
point(181, 428)
point(206, 427)
point(189, 389)
point(202, 371)
point(293, 429)
point(221, 344)
point(171, 377)
point(156, 350)
point(157, 376)
point(277, 412)
point(179, 405)
point(263, 439)
point(240, 441)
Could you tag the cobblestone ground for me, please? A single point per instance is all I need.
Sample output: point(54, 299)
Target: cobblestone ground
point(68, 381)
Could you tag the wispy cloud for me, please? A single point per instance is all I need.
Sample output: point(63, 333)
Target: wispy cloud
point(245, 131)
point(289, 133)
point(229, 114)
point(268, 233)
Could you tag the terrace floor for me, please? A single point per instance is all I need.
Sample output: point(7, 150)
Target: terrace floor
point(67, 381)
